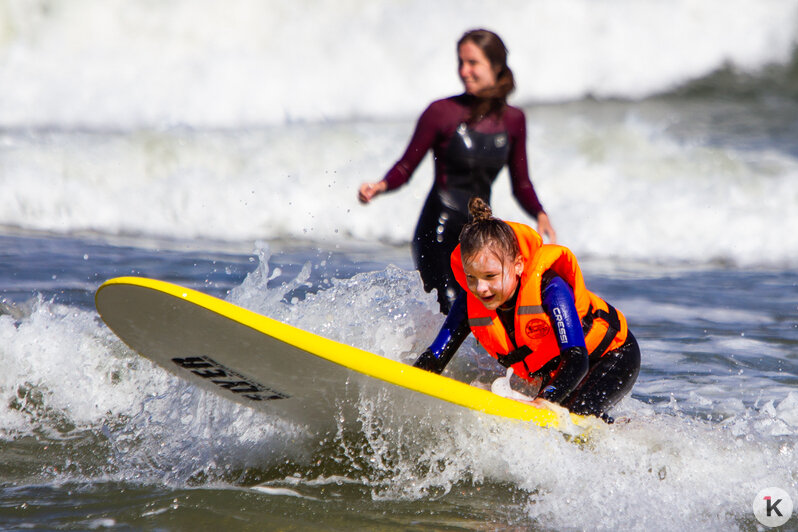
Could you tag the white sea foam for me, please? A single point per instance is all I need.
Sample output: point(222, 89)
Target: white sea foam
point(258, 120)
point(65, 373)
point(615, 188)
point(703, 471)
point(119, 64)
point(706, 470)
point(54, 340)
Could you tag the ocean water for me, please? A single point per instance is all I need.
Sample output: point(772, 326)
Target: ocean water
point(220, 146)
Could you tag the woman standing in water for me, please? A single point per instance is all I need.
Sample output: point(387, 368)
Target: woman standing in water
point(528, 306)
point(472, 137)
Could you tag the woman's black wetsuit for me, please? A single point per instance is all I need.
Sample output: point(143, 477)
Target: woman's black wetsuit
point(468, 158)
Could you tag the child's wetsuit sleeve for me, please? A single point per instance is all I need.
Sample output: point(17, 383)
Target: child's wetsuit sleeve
point(454, 330)
point(558, 303)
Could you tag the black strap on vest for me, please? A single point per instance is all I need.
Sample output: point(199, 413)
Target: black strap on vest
point(611, 317)
point(515, 356)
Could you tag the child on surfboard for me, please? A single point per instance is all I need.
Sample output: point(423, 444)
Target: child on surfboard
point(527, 304)
point(472, 136)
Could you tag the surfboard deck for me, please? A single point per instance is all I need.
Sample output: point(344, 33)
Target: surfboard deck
point(280, 369)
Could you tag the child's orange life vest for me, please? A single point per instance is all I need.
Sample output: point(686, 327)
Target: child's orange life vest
point(604, 327)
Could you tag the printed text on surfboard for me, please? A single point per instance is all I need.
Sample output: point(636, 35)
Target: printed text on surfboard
point(224, 377)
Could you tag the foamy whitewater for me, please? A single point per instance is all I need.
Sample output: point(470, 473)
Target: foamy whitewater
point(257, 120)
point(220, 145)
point(118, 64)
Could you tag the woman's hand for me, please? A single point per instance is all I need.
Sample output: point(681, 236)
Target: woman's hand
point(368, 191)
point(544, 227)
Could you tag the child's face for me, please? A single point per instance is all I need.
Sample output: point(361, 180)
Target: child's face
point(492, 277)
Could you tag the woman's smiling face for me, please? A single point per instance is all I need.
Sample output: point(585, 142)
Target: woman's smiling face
point(475, 70)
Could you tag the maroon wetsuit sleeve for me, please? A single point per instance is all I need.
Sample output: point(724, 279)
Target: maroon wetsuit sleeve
point(523, 190)
point(423, 138)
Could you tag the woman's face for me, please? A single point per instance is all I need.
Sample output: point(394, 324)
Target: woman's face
point(491, 277)
point(476, 72)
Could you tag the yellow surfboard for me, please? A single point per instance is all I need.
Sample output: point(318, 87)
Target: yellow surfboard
point(269, 365)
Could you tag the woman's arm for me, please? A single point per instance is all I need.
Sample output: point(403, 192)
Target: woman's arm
point(422, 140)
point(523, 190)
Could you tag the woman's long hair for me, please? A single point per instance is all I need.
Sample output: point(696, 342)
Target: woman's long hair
point(493, 100)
